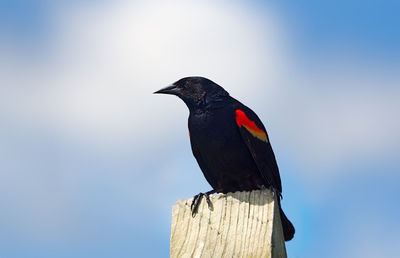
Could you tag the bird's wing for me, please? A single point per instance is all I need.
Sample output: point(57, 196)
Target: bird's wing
point(255, 136)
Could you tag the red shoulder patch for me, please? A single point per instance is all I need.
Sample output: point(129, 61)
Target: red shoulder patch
point(243, 120)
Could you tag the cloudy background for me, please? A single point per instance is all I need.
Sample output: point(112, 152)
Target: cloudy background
point(91, 162)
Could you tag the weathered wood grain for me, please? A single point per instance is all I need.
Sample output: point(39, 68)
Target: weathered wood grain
point(241, 224)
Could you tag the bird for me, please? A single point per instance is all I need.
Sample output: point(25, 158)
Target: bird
point(229, 142)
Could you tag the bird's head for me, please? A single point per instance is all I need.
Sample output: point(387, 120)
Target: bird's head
point(196, 92)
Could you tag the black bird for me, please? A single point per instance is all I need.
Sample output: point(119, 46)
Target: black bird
point(229, 142)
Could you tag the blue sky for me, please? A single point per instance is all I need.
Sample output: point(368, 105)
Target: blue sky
point(91, 162)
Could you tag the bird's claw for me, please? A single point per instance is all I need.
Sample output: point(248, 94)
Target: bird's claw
point(275, 192)
point(272, 189)
point(194, 207)
point(209, 203)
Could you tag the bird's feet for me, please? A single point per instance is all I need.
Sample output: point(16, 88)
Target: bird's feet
point(275, 192)
point(197, 201)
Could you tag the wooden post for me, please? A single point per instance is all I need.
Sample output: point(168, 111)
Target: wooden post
point(241, 224)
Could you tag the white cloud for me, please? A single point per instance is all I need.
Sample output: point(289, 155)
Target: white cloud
point(106, 61)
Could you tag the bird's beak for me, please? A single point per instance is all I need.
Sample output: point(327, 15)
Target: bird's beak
point(172, 89)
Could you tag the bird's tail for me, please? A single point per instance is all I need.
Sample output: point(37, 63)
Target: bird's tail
point(288, 228)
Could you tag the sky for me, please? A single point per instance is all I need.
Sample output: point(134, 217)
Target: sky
point(91, 161)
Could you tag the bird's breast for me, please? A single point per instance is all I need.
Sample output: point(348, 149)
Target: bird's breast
point(212, 130)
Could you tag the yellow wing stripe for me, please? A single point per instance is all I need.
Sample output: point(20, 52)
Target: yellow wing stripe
point(260, 135)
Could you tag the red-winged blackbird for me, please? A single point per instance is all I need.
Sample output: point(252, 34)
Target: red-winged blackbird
point(229, 142)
